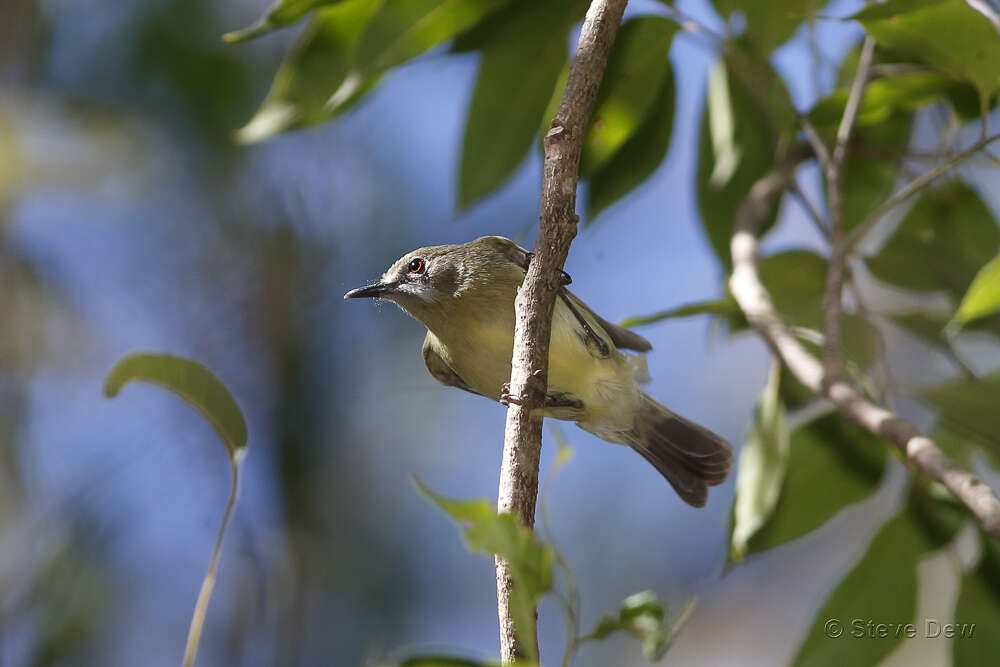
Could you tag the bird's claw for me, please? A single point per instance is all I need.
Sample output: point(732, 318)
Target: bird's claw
point(505, 396)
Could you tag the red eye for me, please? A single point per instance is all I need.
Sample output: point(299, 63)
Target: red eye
point(417, 266)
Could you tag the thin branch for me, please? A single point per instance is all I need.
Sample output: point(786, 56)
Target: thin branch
point(563, 144)
point(755, 302)
point(911, 188)
point(834, 173)
point(810, 208)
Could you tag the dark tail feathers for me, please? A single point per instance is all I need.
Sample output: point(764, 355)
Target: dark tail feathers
point(691, 457)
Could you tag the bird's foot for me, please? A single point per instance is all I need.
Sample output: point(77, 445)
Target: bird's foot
point(505, 396)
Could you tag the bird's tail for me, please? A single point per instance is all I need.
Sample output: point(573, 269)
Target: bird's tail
point(691, 457)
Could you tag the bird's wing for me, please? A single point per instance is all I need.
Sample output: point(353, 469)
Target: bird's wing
point(620, 336)
point(441, 371)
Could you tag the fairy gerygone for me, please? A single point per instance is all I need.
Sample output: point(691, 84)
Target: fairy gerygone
point(464, 295)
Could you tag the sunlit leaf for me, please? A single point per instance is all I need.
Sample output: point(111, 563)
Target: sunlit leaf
point(530, 559)
point(192, 382)
point(882, 98)
point(983, 296)
point(645, 617)
point(947, 34)
point(831, 464)
point(280, 14)
point(762, 465)
point(522, 58)
point(977, 611)
point(740, 126)
point(882, 587)
point(638, 157)
point(941, 243)
point(632, 84)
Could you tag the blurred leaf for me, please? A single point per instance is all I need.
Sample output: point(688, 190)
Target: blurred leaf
point(947, 34)
point(192, 382)
point(724, 307)
point(737, 146)
point(502, 535)
point(983, 296)
point(941, 243)
point(522, 59)
point(881, 586)
point(763, 461)
point(638, 157)
point(315, 67)
point(831, 464)
point(978, 610)
point(644, 616)
point(930, 326)
point(632, 83)
point(345, 50)
point(969, 405)
point(280, 14)
point(962, 445)
point(769, 23)
point(564, 449)
point(882, 98)
point(447, 661)
point(871, 167)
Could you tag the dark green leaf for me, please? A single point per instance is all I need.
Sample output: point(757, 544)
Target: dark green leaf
point(977, 612)
point(522, 59)
point(724, 307)
point(280, 14)
point(643, 616)
point(872, 166)
point(445, 661)
point(632, 84)
point(969, 408)
point(315, 68)
point(983, 295)
point(192, 382)
point(930, 326)
point(948, 34)
point(762, 466)
point(882, 586)
point(769, 23)
point(882, 98)
point(941, 243)
point(502, 535)
point(638, 157)
point(831, 464)
point(740, 126)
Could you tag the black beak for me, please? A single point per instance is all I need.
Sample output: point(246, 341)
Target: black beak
point(370, 291)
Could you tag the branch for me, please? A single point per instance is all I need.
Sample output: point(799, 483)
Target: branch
point(755, 302)
point(533, 307)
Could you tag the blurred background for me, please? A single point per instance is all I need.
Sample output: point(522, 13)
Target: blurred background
point(130, 219)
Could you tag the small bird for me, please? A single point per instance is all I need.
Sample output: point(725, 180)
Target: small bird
point(464, 295)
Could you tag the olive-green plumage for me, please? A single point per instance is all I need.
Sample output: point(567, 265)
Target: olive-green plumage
point(464, 295)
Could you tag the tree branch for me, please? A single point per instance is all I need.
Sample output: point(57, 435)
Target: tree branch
point(533, 307)
point(755, 302)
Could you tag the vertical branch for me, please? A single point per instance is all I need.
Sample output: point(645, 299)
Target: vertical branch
point(834, 171)
point(533, 307)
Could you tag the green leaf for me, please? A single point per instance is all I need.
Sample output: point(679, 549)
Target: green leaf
point(192, 382)
point(315, 68)
point(523, 56)
point(638, 157)
point(447, 661)
point(977, 612)
point(502, 535)
point(983, 296)
point(724, 307)
point(882, 587)
point(882, 98)
point(762, 466)
point(969, 408)
point(739, 131)
point(631, 86)
point(870, 174)
point(279, 15)
point(941, 243)
point(345, 50)
point(948, 35)
point(831, 464)
point(643, 616)
point(769, 23)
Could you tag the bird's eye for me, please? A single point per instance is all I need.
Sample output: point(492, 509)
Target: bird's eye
point(417, 266)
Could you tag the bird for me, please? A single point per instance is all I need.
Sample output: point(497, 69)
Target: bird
point(464, 294)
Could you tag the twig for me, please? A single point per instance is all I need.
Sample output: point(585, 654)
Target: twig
point(834, 172)
point(563, 144)
point(810, 208)
point(756, 304)
point(908, 191)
